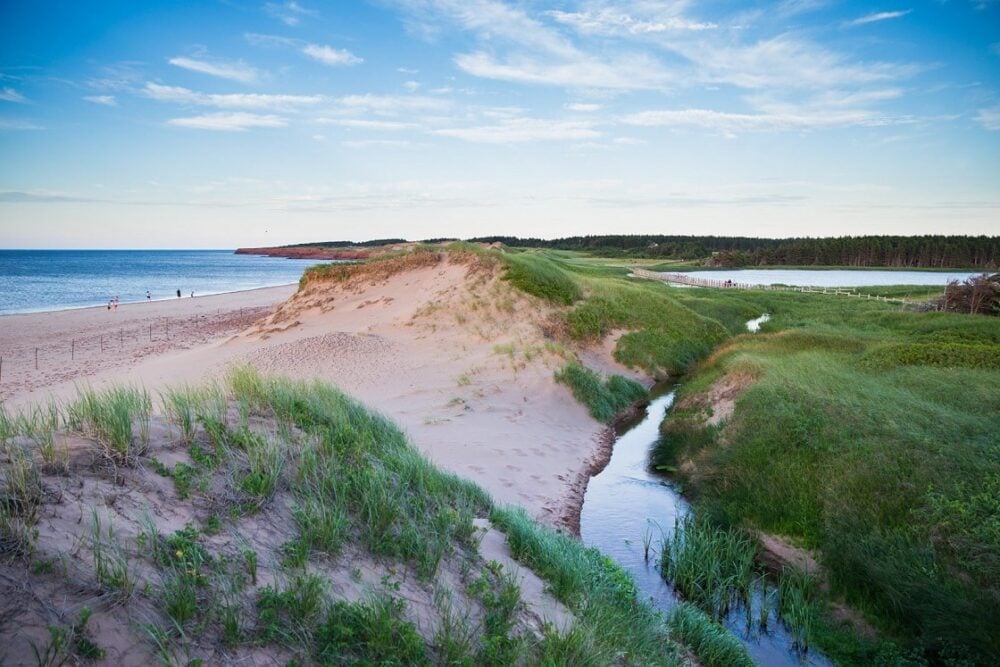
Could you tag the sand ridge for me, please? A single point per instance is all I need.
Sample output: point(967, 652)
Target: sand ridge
point(448, 350)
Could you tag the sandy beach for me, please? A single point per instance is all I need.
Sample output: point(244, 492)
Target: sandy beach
point(456, 358)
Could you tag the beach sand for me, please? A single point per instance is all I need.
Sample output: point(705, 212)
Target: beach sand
point(457, 360)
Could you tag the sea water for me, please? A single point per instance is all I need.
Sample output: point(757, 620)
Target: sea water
point(39, 280)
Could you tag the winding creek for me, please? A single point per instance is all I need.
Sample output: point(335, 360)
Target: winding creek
point(626, 502)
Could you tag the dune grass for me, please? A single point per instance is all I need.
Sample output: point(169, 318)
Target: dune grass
point(605, 398)
point(857, 441)
point(542, 276)
point(117, 417)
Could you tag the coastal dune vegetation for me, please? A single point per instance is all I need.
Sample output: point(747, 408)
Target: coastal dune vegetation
point(265, 516)
point(868, 436)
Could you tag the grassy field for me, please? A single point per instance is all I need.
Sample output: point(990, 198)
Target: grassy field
point(870, 435)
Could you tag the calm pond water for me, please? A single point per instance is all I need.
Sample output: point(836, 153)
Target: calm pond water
point(831, 277)
point(626, 502)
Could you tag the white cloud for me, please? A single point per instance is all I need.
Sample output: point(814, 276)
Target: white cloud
point(407, 70)
point(8, 94)
point(106, 100)
point(290, 13)
point(331, 56)
point(361, 124)
point(989, 118)
point(180, 95)
point(238, 71)
point(491, 20)
point(627, 73)
point(392, 104)
point(583, 107)
point(612, 21)
point(411, 86)
point(878, 16)
point(785, 62)
point(730, 123)
point(795, 7)
point(229, 122)
point(520, 130)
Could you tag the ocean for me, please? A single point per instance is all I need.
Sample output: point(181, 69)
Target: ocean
point(39, 280)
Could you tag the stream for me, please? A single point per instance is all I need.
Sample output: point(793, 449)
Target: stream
point(626, 502)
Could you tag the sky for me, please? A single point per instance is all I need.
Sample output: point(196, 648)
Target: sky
point(245, 123)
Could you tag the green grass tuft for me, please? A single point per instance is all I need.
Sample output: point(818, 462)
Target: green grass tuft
point(605, 399)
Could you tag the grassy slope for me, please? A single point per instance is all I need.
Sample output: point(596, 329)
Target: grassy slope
point(871, 435)
point(356, 484)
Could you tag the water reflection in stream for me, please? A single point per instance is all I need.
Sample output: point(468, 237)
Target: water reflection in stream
point(626, 502)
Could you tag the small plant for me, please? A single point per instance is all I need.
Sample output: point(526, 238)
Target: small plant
point(111, 416)
point(111, 561)
point(712, 567)
point(180, 405)
point(21, 497)
point(67, 642)
point(250, 560)
point(798, 593)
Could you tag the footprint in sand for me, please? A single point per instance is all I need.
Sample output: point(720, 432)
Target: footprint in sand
point(507, 483)
point(512, 468)
point(477, 469)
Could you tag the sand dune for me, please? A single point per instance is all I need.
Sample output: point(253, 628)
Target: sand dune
point(448, 350)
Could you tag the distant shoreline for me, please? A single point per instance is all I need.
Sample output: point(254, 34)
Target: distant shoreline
point(103, 306)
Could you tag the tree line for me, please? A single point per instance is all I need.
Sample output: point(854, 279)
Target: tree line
point(930, 251)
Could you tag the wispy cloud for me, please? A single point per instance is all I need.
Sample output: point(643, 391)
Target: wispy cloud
point(731, 123)
point(8, 94)
point(234, 71)
point(105, 100)
point(879, 16)
point(290, 13)
point(583, 107)
point(392, 104)
point(989, 118)
point(521, 130)
point(260, 101)
point(787, 62)
point(363, 124)
point(229, 122)
point(631, 72)
point(612, 21)
point(331, 56)
point(18, 124)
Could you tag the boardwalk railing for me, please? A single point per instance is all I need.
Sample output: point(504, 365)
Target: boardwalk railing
point(692, 281)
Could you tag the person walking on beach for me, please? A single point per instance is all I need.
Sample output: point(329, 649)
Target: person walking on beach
point(178, 294)
point(148, 295)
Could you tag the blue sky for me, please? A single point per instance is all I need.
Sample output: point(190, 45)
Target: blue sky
point(218, 124)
